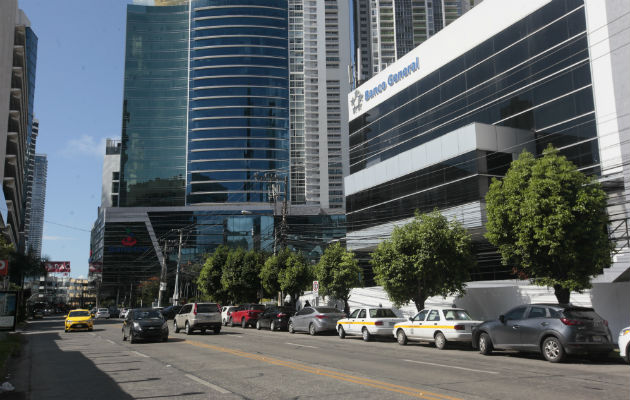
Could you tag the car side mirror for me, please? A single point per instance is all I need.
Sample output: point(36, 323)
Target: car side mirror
point(411, 319)
point(502, 318)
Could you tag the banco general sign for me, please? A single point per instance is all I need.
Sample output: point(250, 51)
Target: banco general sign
point(392, 79)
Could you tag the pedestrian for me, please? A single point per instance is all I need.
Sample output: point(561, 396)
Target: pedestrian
point(307, 304)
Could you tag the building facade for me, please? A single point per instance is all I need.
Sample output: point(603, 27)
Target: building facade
point(385, 30)
point(37, 206)
point(432, 129)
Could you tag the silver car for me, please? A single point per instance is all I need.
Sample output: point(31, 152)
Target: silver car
point(315, 320)
point(198, 316)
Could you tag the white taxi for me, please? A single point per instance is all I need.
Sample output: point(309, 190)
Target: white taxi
point(624, 344)
point(438, 325)
point(368, 322)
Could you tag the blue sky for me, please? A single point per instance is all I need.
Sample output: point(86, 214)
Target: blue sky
point(78, 101)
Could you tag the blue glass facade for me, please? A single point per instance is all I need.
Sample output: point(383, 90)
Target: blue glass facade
point(153, 156)
point(238, 133)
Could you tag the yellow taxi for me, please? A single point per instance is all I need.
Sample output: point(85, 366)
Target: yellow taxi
point(78, 320)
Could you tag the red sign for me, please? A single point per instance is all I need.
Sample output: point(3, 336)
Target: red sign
point(57, 266)
point(4, 267)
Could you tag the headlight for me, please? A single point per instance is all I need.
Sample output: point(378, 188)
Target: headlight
point(69, 321)
point(625, 332)
point(137, 326)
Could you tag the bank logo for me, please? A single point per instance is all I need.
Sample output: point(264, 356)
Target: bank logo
point(130, 239)
point(356, 101)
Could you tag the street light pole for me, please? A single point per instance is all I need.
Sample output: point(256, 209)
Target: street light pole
point(162, 292)
point(179, 262)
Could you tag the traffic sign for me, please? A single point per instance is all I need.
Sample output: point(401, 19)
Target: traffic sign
point(315, 286)
point(4, 267)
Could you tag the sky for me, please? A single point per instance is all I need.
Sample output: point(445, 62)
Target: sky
point(78, 101)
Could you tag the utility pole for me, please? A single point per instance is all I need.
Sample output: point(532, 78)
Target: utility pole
point(179, 263)
point(162, 291)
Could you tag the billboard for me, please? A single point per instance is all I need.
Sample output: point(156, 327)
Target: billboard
point(8, 309)
point(57, 266)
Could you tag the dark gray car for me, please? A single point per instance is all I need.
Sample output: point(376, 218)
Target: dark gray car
point(315, 319)
point(551, 329)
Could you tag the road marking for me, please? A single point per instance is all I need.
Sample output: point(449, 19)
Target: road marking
point(414, 392)
point(92, 334)
point(139, 354)
point(208, 384)
point(452, 366)
point(111, 341)
point(303, 345)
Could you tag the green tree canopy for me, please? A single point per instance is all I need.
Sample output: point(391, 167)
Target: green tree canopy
point(548, 220)
point(429, 256)
point(269, 274)
point(149, 290)
point(209, 280)
point(296, 277)
point(241, 272)
point(338, 271)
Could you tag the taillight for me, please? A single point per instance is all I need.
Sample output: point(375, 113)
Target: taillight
point(378, 323)
point(570, 322)
point(281, 315)
point(459, 327)
point(195, 309)
point(320, 316)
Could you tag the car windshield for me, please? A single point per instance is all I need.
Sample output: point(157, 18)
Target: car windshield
point(456, 315)
point(149, 314)
point(207, 308)
point(78, 313)
point(382, 313)
point(327, 310)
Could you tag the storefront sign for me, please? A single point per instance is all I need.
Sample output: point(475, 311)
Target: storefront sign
point(392, 79)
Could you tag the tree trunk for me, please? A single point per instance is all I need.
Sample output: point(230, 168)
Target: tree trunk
point(346, 307)
point(562, 294)
point(419, 302)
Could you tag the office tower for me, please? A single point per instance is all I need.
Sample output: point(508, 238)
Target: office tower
point(37, 207)
point(111, 174)
point(385, 30)
point(18, 60)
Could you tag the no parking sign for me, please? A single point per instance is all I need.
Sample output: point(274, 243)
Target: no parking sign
point(4, 267)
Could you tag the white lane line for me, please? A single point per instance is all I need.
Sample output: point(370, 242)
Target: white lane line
point(110, 341)
point(139, 354)
point(302, 345)
point(208, 384)
point(452, 366)
point(92, 334)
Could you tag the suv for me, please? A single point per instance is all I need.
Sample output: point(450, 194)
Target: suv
point(551, 329)
point(198, 316)
point(246, 315)
point(225, 313)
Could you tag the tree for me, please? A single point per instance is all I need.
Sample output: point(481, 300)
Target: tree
point(429, 256)
point(241, 272)
point(271, 270)
point(149, 290)
point(209, 280)
point(548, 220)
point(296, 277)
point(338, 271)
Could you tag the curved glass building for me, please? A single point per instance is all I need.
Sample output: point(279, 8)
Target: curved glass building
point(238, 132)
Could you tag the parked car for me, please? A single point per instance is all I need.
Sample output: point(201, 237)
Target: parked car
point(170, 311)
point(226, 311)
point(275, 318)
point(551, 329)
point(102, 313)
point(198, 316)
point(38, 313)
point(78, 320)
point(114, 313)
point(624, 343)
point(123, 312)
point(315, 320)
point(144, 323)
point(437, 325)
point(368, 322)
point(246, 315)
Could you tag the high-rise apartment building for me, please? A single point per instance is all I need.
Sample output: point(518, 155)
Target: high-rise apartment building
point(37, 205)
point(319, 56)
point(18, 60)
point(385, 30)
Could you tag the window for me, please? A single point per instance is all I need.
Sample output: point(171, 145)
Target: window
point(354, 313)
point(537, 312)
point(515, 314)
point(434, 315)
point(382, 313)
point(362, 314)
point(421, 315)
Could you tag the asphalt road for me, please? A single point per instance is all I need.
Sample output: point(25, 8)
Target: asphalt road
point(246, 363)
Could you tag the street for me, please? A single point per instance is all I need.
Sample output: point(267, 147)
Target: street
point(246, 363)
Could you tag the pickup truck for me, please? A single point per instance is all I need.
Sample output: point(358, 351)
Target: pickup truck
point(246, 315)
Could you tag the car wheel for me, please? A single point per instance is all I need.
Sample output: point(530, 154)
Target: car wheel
point(203, 331)
point(258, 325)
point(401, 337)
point(165, 339)
point(187, 329)
point(243, 323)
point(366, 334)
point(627, 356)
point(440, 341)
point(65, 330)
point(231, 323)
point(176, 327)
point(217, 331)
point(291, 329)
point(341, 332)
point(132, 338)
point(224, 322)
point(485, 344)
point(272, 326)
point(90, 329)
point(311, 329)
point(552, 349)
